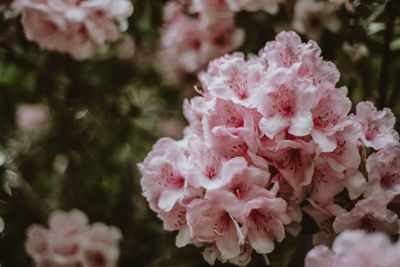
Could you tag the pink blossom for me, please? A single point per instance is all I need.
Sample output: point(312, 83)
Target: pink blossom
point(356, 249)
point(209, 170)
point(70, 241)
point(329, 114)
point(263, 222)
point(230, 130)
point(327, 183)
point(294, 161)
point(377, 126)
point(345, 155)
point(311, 17)
point(30, 117)
point(164, 181)
point(190, 43)
point(265, 135)
point(210, 221)
point(79, 28)
point(211, 253)
point(384, 173)
point(369, 215)
point(286, 103)
point(211, 11)
point(232, 78)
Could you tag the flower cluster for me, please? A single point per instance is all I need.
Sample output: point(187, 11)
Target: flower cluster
point(356, 249)
point(266, 135)
point(197, 31)
point(311, 17)
point(79, 28)
point(189, 42)
point(70, 241)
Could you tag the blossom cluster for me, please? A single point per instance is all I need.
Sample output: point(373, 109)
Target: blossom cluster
point(188, 43)
point(77, 27)
point(197, 31)
point(70, 241)
point(356, 249)
point(265, 136)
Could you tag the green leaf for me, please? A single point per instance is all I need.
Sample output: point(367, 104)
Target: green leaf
point(378, 11)
point(395, 44)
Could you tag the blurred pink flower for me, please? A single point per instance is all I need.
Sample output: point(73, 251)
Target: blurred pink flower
point(79, 28)
point(188, 44)
point(70, 241)
point(356, 249)
point(311, 17)
point(30, 117)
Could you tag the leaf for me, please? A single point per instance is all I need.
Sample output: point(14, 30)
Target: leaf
point(145, 122)
point(378, 11)
point(395, 44)
point(375, 27)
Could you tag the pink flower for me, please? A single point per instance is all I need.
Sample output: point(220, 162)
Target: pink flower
point(327, 183)
point(377, 126)
point(31, 117)
point(211, 11)
point(263, 222)
point(265, 135)
point(345, 155)
point(230, 130)
point(311, 17)
point(79, 28)
point(209, 170)
point(286, 103)
point(294, 161)
point(211, 253)
point(70, 241)
point(210, 221)
point(164, 181)
point(384, 173)
point(356, 249)
point(189, 43)
point(232, 78)
point(369, 215)
point(329, 114)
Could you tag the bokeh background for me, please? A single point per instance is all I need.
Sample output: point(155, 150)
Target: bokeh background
point(96, 119)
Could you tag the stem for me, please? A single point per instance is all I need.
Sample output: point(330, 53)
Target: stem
point(364, 74)
point(383, 76)
point(396, 91)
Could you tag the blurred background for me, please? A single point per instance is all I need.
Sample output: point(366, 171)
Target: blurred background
point(72, 132)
